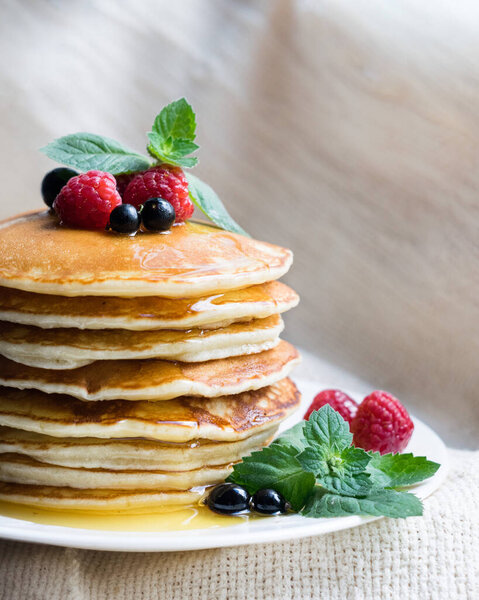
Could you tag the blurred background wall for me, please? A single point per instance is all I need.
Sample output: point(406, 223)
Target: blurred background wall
point(345, 130)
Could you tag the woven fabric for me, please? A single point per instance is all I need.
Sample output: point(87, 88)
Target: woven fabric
point(431, 557)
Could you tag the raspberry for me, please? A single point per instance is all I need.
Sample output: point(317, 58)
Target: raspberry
point(87, 200)
point(338, 400)
point(122, 182)
point(382, 424)
point(164, 182)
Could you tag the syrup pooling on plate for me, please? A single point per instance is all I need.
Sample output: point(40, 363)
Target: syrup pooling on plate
point(183, 519)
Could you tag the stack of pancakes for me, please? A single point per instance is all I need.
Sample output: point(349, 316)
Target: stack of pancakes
point(135, 371)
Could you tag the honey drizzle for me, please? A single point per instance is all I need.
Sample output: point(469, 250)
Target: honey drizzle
point(181, 519)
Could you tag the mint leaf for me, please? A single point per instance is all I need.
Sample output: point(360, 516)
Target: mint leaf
point(177, 120)
point(172, 151)
point(85, 151)
point(339, 471)
point(278, 468)
point(395, 470)
point(294, 436)
point(205, 198)
point(173, 133)
point(387, 503)
point(327, 427)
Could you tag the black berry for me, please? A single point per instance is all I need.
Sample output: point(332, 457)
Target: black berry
point(53, 182)
point(228, 499)
point(124, 218)
point(157, 214)
point(268, 502)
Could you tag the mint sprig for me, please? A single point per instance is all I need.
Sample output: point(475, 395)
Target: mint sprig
point(276, 468)
point(86, 151)
point(338, 467)
point(171, 141)
point(386, 503)
point(316, 468)
point(398, 470)
point(294, 436)
point(206, 199)
point(172, 135)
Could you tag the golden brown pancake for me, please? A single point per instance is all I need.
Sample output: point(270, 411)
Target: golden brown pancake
point(227, 418)
point(150, 312)
point(16, 468)
point(155, 379)
point(37, 254)
point(96, 500)
point(72, 348)
point(133, 453)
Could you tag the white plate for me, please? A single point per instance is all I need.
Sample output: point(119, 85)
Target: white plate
point(424, 442)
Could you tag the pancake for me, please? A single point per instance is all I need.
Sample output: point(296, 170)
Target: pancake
point(96, 500)
point(124, 454)
point(224, 419)
point(142, 313)
point(155, 379)
point(15, 468)
point(70, 348)
point(39, 255)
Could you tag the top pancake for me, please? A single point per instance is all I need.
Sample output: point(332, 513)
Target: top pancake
point(37, 254)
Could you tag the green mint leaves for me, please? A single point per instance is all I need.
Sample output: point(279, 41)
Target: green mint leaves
point(171, 141)
point(172, 135)
point(205, 198)
point(327, 430)
point(315, 467)
point(338, 467)
point(398, 470)
point(86, 151)
point(294, 436)
point(278, 468)
point(386, 503)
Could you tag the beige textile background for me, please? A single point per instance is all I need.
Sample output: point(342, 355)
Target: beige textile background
point(347, 131)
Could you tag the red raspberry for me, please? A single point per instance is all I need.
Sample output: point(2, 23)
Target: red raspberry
point(382, 424)
point(338, 400)
point(164, 182)
point(87, 200)
point(122, 182)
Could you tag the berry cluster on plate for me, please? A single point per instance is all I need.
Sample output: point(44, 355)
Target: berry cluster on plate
point(109, 186)
point(380, 423)
point(342, 459)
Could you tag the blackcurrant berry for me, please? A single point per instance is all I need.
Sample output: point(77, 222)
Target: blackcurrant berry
point(124, 218)
point(157, 214)
point(268, 502)
point(53, 182)
point(228, 499)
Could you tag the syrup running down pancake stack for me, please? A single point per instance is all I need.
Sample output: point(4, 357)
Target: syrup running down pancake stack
point(135, 371)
